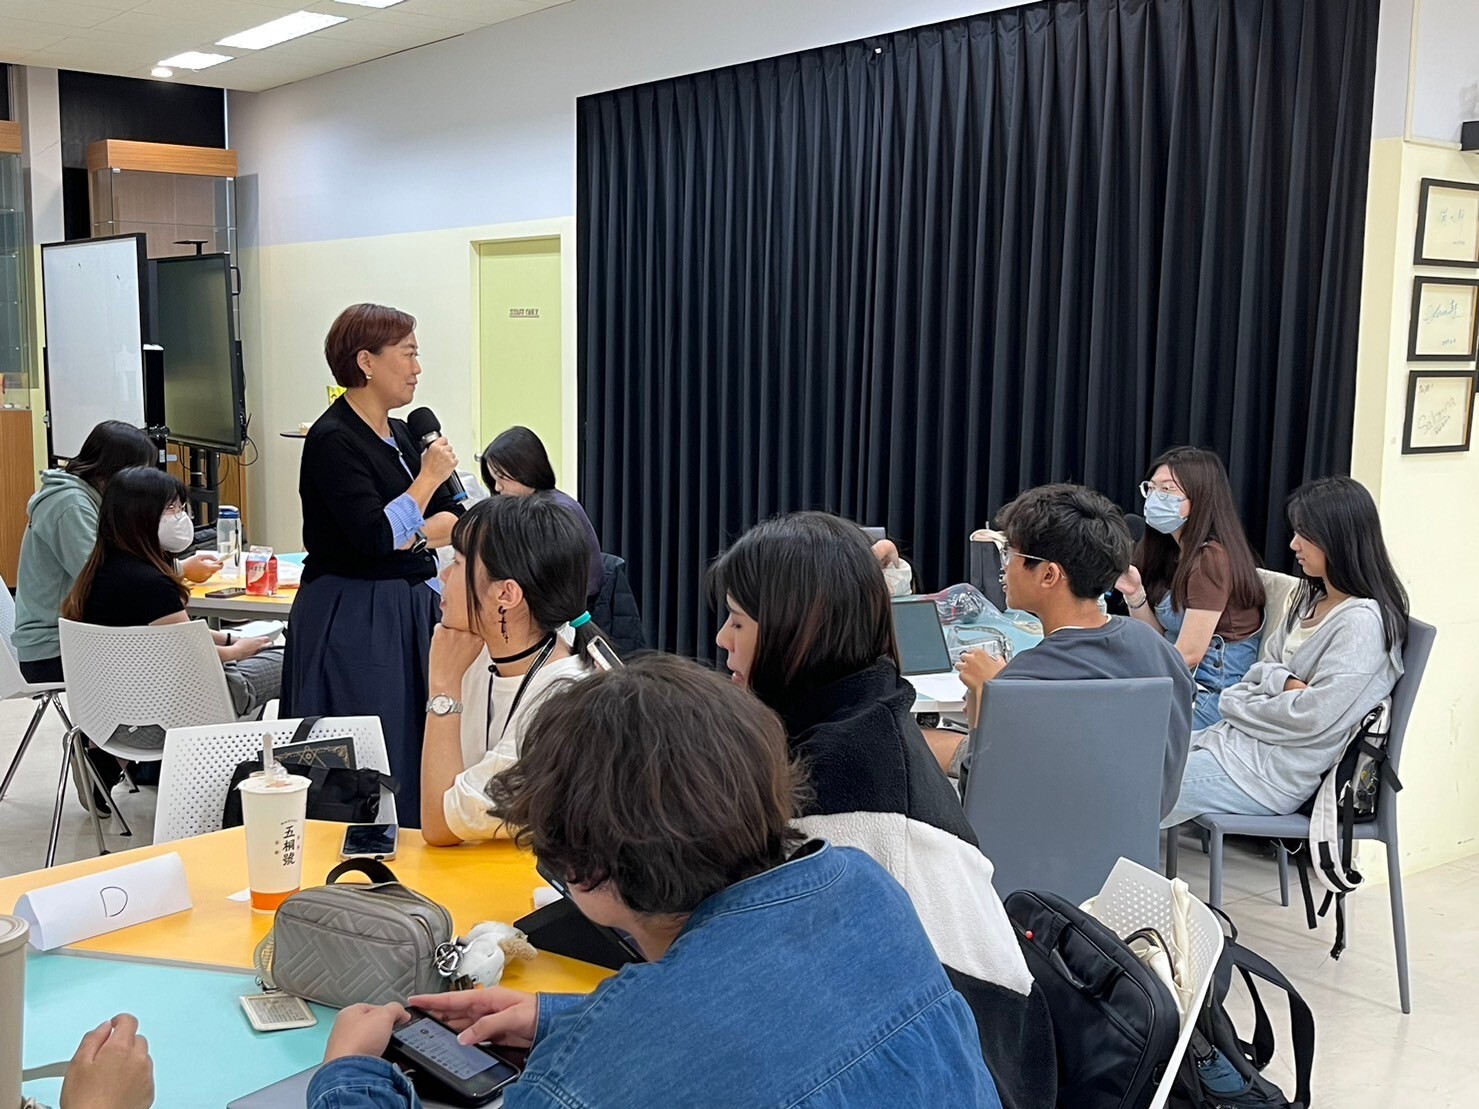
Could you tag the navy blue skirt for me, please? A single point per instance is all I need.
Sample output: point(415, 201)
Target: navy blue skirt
point(361, 648)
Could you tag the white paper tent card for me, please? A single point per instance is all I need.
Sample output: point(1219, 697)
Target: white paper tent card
point(105, 902)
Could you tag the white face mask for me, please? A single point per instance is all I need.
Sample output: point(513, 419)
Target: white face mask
point(176, 532)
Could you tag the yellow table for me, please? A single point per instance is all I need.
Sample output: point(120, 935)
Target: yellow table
point(244, 607)
point(476, 882)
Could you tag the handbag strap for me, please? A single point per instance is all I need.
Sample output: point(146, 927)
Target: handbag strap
point(305, 726)
point(377, 871)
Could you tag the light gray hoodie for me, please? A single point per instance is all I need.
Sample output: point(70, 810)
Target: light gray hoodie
point(1276, 746)
point(58, 542)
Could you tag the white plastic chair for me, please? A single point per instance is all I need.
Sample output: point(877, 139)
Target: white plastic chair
point(1278, 590)
point(169, 676)
point(1134, 897)
point(199, 762)
point(13, 686)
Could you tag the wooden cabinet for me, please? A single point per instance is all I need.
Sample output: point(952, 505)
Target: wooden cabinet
point(17, 483)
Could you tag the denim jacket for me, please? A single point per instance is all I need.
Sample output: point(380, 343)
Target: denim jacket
point(812, 985)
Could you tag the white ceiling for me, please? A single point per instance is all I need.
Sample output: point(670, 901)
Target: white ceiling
point(129, 37)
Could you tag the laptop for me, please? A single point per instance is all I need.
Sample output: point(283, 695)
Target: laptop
point(292, 1093)
point(924, 657)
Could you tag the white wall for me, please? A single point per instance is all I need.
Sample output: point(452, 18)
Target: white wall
point(481, 129)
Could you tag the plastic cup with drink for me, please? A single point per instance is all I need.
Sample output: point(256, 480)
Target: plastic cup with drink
point(274, 805)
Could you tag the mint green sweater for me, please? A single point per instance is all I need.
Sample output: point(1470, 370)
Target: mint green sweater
point(58, 541)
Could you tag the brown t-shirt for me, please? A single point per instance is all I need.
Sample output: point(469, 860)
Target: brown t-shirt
point(1208, 587)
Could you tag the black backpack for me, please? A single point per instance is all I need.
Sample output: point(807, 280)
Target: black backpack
point(1115, 1024)
point(1214, 1029)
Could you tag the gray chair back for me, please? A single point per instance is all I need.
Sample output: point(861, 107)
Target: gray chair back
point(1415, 652)
point(1066, 779)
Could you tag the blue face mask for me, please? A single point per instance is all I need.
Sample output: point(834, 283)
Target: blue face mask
point(1163, 512)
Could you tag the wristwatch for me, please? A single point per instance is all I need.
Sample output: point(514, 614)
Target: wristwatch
point(442, 705)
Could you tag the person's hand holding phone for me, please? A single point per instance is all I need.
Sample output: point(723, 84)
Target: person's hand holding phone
point(494, 1015)
point(364, 1030)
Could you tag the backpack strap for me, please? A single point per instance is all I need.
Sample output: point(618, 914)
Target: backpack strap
point(1301, 1021)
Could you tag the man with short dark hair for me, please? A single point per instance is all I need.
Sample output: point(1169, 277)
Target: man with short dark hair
point(1066, 546)
point(777, 975)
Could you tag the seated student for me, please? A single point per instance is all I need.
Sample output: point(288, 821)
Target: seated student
point(1066, 545)
point(129, 581)
point(60, 535)
point(1336, 655)
point(516, 464)
point(810, 632)
point(517, 578)
point(664, 796)
point(1194, 576)
point(897, 574)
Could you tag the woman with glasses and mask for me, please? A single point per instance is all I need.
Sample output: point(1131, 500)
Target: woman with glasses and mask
point(130, 580)
point(1194, 577)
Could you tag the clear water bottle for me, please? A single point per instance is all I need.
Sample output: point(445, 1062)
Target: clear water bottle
point(228, 542)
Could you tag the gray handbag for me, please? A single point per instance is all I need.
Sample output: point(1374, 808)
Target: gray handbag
point(341, 945)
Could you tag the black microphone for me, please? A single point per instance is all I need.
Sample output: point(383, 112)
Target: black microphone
point(426, 429)
point(1136, 524)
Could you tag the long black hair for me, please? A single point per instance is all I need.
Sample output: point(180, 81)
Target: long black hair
point(111, 446)
point(1338, 515)
point(814, 589)
point(1167, 565)
point(536, 542)
point(518, 453)
point(128, 523)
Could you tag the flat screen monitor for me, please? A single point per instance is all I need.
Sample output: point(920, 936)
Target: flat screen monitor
point(203, 389)
point(921, 637)
point(93, 296)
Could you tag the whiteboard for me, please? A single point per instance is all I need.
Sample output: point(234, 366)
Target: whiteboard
point(94, 337)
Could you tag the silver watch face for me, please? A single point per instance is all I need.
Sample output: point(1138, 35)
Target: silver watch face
point(442, 705)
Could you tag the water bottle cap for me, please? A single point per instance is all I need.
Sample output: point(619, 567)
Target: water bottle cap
point(229, 512)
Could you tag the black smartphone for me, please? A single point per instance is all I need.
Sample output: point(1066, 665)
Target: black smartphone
point(602, 656)
point(372, 841)
point(233, 591)
point(471, 1074)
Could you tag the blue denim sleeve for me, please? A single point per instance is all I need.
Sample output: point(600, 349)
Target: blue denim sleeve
point(359, 1082)
point(405, 518)
point(551, 1005)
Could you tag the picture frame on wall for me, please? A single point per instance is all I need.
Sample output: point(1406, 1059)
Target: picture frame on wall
point(1445, 319)
point(1447, 224)
point(1440, 411)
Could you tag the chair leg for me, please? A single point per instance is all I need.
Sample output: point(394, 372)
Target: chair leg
point(45, 699)
point(1173, 849)
point(1283, 876)
point(1214, 879)
point(61, 793)
point(89, 778)
point(97, 780)
point(1399, 920)
point(1206, 839)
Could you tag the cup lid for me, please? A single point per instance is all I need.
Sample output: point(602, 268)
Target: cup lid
point(13, 933)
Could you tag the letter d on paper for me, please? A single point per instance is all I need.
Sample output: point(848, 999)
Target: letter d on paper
point(97, 903)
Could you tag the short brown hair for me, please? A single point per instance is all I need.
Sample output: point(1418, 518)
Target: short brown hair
point(370, 327)
point(660, 777)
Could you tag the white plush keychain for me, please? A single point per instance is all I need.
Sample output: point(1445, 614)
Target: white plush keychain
point(481, 955)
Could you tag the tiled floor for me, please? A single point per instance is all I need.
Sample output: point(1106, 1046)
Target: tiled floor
point(1368, 1054)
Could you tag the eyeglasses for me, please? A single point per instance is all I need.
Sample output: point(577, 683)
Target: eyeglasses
point(1008, 553)
point(1147, 488)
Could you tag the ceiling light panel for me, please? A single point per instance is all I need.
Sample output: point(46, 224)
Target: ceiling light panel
point(281, 30)
point(194, 59)
point(370, 3)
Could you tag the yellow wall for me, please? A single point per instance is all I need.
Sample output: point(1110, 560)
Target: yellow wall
point(1430, 512)
point(521, 376)
point(291, 295)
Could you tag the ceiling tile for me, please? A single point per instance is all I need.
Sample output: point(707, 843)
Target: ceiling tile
point(19, 36)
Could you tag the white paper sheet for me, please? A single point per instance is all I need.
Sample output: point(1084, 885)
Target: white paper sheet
point(105, 902)
point(943, 689)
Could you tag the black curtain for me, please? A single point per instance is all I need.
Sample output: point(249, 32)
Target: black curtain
point(905, 278)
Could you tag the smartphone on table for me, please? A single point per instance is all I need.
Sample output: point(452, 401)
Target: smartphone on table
point(231, 591)
point(369, 841)
point(472, 1074)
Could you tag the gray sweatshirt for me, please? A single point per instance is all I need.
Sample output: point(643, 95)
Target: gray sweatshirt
point(1276, 746)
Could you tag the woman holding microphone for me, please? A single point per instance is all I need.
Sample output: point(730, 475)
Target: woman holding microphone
point(374, 507)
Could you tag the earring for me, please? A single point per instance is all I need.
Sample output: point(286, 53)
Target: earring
point(503, 622)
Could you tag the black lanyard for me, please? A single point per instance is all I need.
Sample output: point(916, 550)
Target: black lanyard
point(539, 660)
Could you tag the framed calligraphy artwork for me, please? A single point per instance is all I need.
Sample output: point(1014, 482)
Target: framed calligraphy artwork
point(1447, 224)
point(1445, 319)
point(1440, 411)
